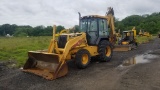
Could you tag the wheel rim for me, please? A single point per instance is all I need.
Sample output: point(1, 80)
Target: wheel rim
point(108, 51)
point(84, 59)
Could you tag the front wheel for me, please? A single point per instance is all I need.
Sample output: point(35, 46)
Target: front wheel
point(82, 58)
point(105, 51)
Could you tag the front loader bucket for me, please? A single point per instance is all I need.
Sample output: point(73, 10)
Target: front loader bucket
point(122, 48)
point(47, 65)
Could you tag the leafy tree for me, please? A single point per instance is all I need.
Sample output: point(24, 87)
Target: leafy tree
point(48, 31)
point(59, 28)
point(38, 30)
point(26, 30)
point(76, 28)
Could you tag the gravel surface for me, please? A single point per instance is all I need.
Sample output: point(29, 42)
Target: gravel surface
point(103, 76)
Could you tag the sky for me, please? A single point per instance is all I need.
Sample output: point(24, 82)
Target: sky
point(65, 12)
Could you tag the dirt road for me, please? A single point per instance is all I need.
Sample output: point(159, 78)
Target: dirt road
point(103, 76)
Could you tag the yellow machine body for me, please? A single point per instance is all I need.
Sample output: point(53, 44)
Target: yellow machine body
point(125, 43)
point(146, 34)
point(134, 31)
point(142, 33)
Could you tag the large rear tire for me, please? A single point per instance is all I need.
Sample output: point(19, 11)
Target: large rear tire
point(82, 58)
point(105, 51)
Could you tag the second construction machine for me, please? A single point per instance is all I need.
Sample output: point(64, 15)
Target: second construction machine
point(128, 41)
point(94, 39)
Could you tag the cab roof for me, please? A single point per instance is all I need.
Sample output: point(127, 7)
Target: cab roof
point(96, 16)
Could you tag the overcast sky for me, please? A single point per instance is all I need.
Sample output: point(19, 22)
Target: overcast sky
point(64, 12)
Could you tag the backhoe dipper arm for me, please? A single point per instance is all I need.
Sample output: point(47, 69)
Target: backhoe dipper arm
point(110, 19)
point(111, 24)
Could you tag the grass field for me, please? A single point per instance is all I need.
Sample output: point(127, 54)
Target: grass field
point(16, 48)
point(144, 39)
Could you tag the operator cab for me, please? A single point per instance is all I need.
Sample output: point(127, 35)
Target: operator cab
point(95, 27)
point(128, 35)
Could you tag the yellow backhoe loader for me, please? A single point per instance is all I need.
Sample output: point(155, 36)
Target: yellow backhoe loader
point(142, 33)
point(128, 41)
point(146, 34)
point(94, 39)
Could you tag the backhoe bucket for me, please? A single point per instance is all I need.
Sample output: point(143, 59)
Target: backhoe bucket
point(47, 65)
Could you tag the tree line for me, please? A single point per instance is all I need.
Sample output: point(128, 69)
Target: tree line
point(27, 30)
point(15, 30)
point(146, 22)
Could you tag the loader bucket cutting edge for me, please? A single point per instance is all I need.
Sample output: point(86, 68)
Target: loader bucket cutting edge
point(122, 48)
point(45, 65)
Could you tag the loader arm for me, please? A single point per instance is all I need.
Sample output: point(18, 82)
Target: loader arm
point(69, 45)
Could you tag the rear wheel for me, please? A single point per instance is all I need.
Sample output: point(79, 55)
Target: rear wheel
point(105, 51)
point(82, 58)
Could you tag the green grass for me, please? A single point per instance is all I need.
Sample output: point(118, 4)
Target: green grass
point(16, 48)
point(144, 39)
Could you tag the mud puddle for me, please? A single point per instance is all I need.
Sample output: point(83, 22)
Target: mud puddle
point(139, 59)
